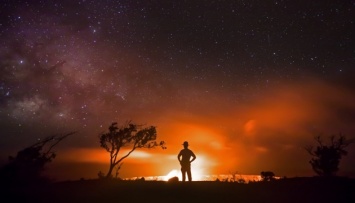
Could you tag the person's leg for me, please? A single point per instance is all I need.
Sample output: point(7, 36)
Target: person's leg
point(189, 174)
point(183, 172)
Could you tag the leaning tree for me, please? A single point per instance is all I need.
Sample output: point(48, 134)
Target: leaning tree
point(28, 164)
point(130, 135)
point(326, 156)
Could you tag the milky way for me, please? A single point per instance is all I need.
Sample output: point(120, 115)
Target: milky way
point(79, 65)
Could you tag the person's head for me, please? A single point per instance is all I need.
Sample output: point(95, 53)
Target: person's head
point(186, 144)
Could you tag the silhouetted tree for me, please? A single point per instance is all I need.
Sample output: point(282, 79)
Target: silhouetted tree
point(27, 165)
point(267, 175)
point(130, 135)
point(326, 157)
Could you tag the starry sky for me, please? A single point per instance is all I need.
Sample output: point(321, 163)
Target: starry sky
point(248, 83)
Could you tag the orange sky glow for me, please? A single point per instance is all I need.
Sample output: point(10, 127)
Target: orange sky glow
point(268, 133)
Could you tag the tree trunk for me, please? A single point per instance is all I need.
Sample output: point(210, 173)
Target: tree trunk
point(109, 173)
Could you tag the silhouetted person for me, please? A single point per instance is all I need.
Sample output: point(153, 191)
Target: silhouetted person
point(185, 160)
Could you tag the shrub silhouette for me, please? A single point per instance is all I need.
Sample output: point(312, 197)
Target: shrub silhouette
point(28, 164)
point(326, 157)
point(236, 177)
point(174, 179)
point(267, 175)
point(129, 135)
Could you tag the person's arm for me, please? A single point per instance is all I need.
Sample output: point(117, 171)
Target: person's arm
point(193, 157)
point(179, 156)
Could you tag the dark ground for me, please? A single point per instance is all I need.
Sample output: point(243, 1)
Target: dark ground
point(315, 190)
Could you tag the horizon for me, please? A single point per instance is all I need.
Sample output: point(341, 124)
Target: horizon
point(220, 177)
point(133, 165)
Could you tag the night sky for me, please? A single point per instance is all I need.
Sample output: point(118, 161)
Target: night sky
point(248, 83)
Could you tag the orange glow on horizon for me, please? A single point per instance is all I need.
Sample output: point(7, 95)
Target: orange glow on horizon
point(249, 137)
